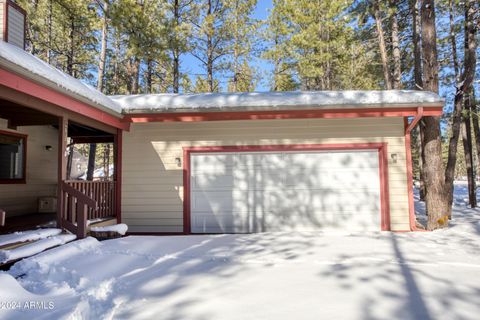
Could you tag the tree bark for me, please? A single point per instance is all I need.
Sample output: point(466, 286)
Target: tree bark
point(70, 161)
point(49, 23)
point(149, 80)
point(176, 53)
point(71, 51)
point(463, 87)
point(456, 115)
point(92, 151)
point(135, 73)
point(467, 148)
point(103, 51)
point(210, 81)
point(476, 130)
point(417, 71)
point(381, 44)
point(397, 68)
point(436, 202)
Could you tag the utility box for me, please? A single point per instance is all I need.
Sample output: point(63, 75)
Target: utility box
point(47, 204)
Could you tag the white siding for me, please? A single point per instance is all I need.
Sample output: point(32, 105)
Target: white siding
point(152, 196)
point(18, 199)
point(16, 27)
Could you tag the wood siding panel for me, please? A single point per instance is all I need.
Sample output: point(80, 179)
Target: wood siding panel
point(17, 199)
point(153, 182)
point(2, 12)
point(16, 27)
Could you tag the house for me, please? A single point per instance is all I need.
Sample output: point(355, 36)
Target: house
point(208, 163)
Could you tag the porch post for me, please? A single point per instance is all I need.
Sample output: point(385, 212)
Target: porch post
point(118, 174)
point(62, 165)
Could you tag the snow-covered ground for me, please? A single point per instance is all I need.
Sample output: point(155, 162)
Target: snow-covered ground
point(424, 275)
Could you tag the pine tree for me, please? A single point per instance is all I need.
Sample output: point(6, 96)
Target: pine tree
point(244, 34)
point(319, 43)
point(244, 80)
point(211, 40)
point(62, 32)
point(180, 12)
point(277, 37)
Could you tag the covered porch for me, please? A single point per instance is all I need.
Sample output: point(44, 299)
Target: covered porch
point(37, 159)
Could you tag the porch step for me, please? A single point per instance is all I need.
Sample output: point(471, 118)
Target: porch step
point(109, 221)
point(19, 251)
point(109, 232)
point(27, 236)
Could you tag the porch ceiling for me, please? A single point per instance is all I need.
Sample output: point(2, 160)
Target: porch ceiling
point(18, 115)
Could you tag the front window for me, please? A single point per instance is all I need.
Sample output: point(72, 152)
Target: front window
point(12, 157)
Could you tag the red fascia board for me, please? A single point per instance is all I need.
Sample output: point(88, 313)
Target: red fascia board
point(18, 83)
point(383, 170)
point(279, 114)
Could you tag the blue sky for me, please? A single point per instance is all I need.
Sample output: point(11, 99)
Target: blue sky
point(192, 66)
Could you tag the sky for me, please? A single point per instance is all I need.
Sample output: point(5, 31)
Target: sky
point(192, 67)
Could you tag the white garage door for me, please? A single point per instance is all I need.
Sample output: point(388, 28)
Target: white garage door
point(282, 191)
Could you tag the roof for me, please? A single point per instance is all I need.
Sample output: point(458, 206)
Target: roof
point(258, 101)
point(35, 69)
point(32, 68)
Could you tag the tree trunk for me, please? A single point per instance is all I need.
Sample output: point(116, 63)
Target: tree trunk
point(49, 23)
point(103, 51)
point(381, 44)
point(92, 151)
point(417, 71)
point(397, 69)
point(69, 162)
point(456, 115)
point(421, 160)
point(452, 147)
point(210, 81)
point(176, 53)
point(116, 66)
point(417, 49)
point(135, 73)
point(469, 101)
point(467, 147)
point(436, 202)
point(463, 87)
point(149, 75)
point(72, 47)
point(476, 130)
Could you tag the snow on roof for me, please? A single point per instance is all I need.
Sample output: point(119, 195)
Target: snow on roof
point(275, 100)
point(24, 63)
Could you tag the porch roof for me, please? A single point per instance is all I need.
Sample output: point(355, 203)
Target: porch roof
point(28, 66)
point(270, 101)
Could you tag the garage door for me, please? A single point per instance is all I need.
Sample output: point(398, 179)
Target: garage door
point(243, 192)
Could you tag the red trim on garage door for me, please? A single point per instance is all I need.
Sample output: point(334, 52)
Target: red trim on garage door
point(380, 147)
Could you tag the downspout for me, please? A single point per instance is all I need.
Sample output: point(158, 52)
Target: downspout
point(408, 130)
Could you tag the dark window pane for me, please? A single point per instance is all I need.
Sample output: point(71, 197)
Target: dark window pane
point(11, 157)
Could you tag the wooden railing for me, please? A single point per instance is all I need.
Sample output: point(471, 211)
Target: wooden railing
point(74, 209)
point(103, 192)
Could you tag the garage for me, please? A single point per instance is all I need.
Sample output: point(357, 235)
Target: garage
point(273, 161)
point(285, 190)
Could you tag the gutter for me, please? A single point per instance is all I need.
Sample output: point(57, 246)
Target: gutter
point(129, 110)
point(408, 130)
